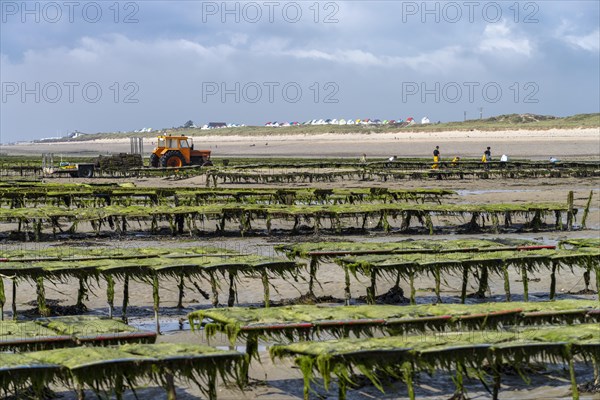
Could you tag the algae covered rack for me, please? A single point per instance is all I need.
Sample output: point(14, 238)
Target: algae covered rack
point(112, 369)
point(33, 222)
point(458, 352)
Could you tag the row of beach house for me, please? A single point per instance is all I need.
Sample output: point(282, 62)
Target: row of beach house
point(341, 121)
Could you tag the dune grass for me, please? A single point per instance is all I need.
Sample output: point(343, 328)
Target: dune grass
point(501, 122)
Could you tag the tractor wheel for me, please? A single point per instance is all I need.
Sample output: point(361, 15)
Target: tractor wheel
point(86, 172)
point(172, 159)
point(154, 159)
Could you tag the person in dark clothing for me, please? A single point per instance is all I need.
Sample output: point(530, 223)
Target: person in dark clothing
point(487, 157)
point(436, 158)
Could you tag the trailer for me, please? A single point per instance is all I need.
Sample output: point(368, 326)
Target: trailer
point(77, 170)
point(119, 164)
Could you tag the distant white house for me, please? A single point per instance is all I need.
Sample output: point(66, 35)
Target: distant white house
point(75, 134)
point(424, 120)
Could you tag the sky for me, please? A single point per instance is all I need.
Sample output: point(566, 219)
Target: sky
point(104, 66)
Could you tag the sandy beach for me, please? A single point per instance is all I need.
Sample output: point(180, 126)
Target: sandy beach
point(540, 144)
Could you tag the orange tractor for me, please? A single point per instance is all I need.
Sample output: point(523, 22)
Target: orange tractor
point(178, 151)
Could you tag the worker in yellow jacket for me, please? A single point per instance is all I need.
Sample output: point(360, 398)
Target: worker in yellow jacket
point(487, 157)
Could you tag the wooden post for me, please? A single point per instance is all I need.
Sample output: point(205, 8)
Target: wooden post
point(41, 298)
point(497, 380)
point(119, 387)
point(265, 282)
point(80, 392)
point(180, 287)
point(81, 293)
point(2, 299)
point(215, 291)
point(465, 281)
point(553, 281)
point(156, 297)
point(231, 299)
point(587, 209)
point(438, 279)
point(574, 389)
point(570, 214)
point(429, 223)
point(506, 281)
point(212, 384)
point(459, 381)
point(411, 277)
point(347, 287)
point(313, 271)
point(170, 387)
point(125, 298)
point(525, 283)
point(595, 360)
point(251, 348)
point(372, 288)
point(14, 299)
point(408, 379)
point(110, 294)
point(483, 282)
point(597, 271)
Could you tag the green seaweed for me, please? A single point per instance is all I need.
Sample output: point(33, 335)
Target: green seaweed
point(244, 213)
point(408, 264)
point(144, 264)
point(290, 321)
point(446, 351)
point(111, 368)
point(19, 372)
point(81, 326)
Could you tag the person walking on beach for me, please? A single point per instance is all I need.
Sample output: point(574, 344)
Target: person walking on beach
point(488, 154)
point(436, 158)
point(487, 157)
